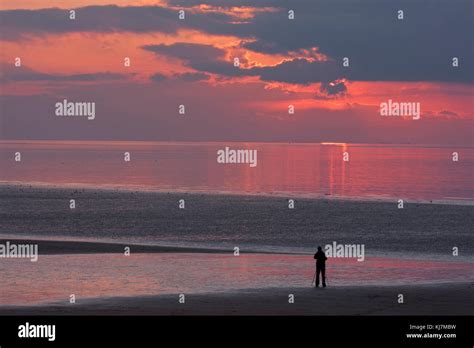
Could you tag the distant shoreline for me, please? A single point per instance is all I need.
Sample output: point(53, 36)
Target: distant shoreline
point(287, 195)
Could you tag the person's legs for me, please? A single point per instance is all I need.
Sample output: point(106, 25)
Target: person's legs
point(318, 270)
point(323, 271)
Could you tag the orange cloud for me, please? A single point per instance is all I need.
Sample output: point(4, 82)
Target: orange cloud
point(35, 4)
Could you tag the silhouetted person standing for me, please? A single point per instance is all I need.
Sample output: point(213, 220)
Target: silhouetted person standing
point(320, 258)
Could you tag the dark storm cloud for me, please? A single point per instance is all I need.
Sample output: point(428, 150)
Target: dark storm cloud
point(300, 71)
point(380, 47)
point(205, 58)
point(15, 24)
point(209, 59)
point(184, 77)
point(187, 51)
point(91, 19)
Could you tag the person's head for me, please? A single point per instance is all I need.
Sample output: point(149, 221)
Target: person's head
point(319, 248)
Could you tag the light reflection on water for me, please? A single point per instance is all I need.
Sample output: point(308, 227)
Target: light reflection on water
point(420, 173)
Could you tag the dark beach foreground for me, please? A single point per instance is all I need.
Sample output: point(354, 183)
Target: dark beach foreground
point(78, 246)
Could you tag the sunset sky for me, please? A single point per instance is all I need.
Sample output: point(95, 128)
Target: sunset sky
point(282, 62)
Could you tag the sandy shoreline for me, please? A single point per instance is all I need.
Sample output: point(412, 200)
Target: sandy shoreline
point(433, 299)
point(262, 195)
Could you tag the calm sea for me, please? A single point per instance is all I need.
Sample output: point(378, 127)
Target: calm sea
point(317, 170)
